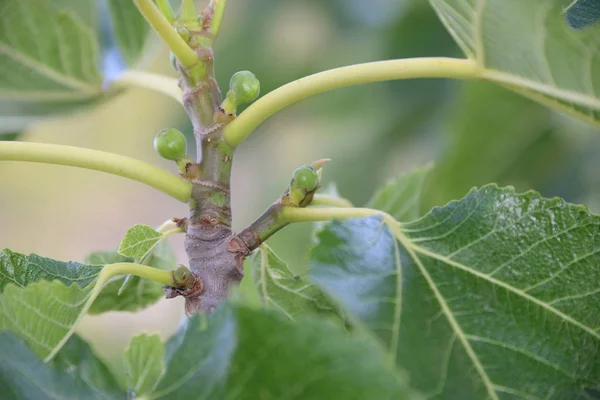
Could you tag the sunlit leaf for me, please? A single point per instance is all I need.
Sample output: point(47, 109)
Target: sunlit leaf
point(139, 242)
point(280, 288)
point(492, 296)
point(22, 270)
point(50, 55)
point(42, 300)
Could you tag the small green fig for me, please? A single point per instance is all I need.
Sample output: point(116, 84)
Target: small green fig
point(245, 87)
point(305, 178)
point(170, 144)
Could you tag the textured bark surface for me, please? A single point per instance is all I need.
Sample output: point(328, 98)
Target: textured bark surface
point(216, 254)
point(217, 259)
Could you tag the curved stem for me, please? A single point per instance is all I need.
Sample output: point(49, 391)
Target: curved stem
point(143, 271)
point(166, 225)
point(98, 161)
point(108, 272)
point(290, 215)
point(331, 201)
point(236, 131)
point(293, 214)
point(217, 17)
point(186, 56)
point(159, 83)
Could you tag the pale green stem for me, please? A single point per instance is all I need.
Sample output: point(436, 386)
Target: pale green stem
point(172, 232)
point(165, 8)
point(96, 160)
point(237, 130)
point(330, 201)
point(165, 225)
point(187, 11)
point(293, 214)
point(215, 23)
point(143, 271)
point(106, 274)
point(186, 56)
point(159, 83)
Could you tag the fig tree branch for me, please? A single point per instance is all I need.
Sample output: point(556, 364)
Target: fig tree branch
point(299, 194)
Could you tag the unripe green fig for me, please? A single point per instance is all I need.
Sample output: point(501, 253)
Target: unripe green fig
point(305, 178)
point(304, 181)
point(170, 144)
point(245, 87)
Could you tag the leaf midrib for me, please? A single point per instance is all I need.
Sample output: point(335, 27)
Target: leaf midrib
point(503, 285)
point(413, 249)
point(487, 382)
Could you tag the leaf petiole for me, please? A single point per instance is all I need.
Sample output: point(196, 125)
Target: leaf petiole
point(98, 161)
point(143, 271)
point(429, 67)
point(186, 56)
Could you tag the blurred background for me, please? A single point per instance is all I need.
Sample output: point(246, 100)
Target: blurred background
point(475, 133)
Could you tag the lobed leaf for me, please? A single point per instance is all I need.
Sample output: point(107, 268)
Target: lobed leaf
point(527, 46)
point(144, 364)
point(22, 270)
point(280, 288)
point(77, 359)
point(42, 300)
point(75, 374)
point(243, 353)
point(131, 293)
point(492, 296)
point(47, 51)
point(139, 242)
point(50, 54)
point(44, 313)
